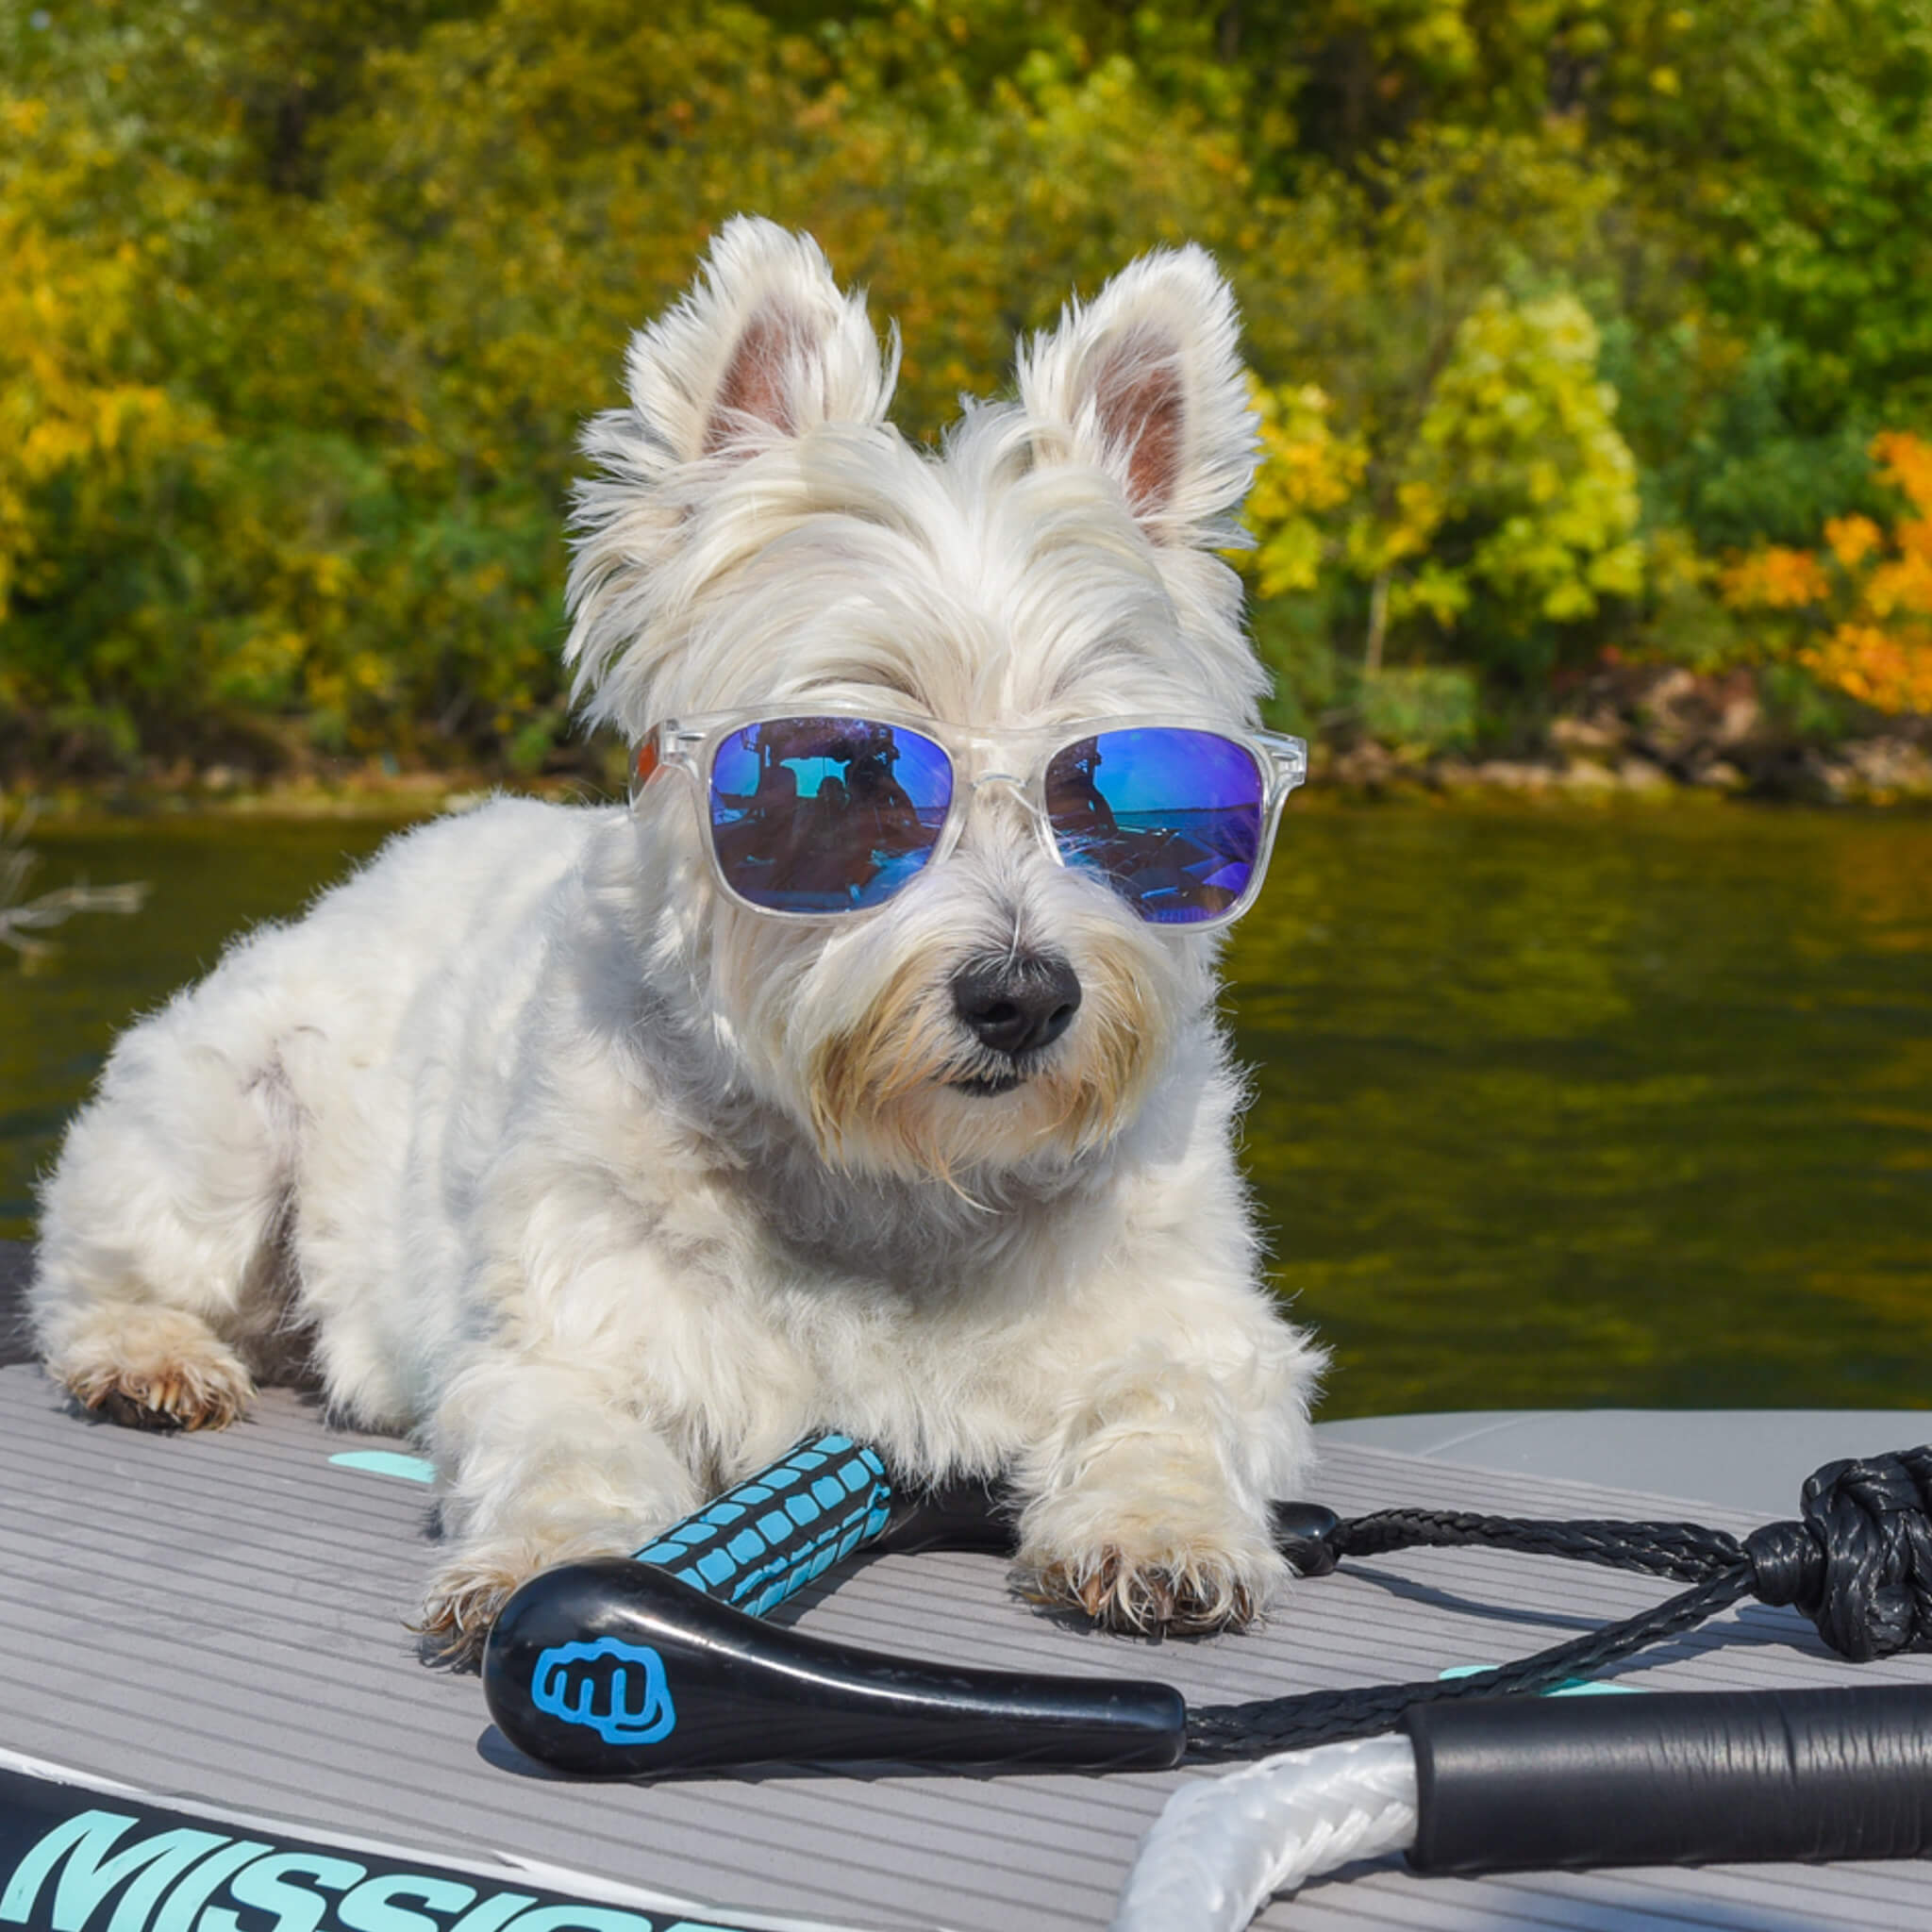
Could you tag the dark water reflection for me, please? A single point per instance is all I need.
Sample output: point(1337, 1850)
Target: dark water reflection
point(1552, 1108)
point(1600, 1108)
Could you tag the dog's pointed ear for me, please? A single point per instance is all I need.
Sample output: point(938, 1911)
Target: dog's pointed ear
point(762, 349)
point(764, 346)
point(1146, 382)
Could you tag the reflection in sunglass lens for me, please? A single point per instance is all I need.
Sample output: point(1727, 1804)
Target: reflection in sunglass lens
point(1172, 819)
point(826, 814)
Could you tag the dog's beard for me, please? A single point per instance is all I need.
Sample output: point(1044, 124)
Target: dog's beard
point(900, 1090)
point(863, 1046)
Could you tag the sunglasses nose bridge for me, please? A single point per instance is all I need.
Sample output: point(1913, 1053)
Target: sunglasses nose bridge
point(1013, 791)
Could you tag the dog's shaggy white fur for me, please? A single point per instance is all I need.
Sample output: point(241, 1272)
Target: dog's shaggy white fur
point(611, 1187)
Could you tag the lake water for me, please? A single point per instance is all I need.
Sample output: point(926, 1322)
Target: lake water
point(1553, 1107)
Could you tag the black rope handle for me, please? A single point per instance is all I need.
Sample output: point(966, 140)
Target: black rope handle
point(1859, 1564)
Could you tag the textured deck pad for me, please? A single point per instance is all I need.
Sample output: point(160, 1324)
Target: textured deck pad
point(219, 1619)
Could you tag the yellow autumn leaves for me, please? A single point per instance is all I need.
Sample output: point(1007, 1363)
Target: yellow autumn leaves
point(67, 411)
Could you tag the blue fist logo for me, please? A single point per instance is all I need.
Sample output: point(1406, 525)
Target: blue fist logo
point(617, 1690)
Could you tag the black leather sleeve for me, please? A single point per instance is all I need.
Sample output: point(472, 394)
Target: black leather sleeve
point(1673, 1778)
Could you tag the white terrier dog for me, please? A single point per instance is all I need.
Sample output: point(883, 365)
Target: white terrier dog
point(864, 1073)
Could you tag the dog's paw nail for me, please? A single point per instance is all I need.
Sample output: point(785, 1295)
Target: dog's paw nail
point(1092, 1591)
point(1202, 1606)
point(454, 1625)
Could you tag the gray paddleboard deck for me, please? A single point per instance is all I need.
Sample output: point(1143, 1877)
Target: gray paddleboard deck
point(219, 1618)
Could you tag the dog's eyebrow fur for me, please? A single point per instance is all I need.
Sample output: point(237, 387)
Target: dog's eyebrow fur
point(1095, 659)
point(840, 682)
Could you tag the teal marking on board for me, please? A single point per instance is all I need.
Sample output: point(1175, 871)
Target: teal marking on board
point(1570, 1687)
point(412, 1469)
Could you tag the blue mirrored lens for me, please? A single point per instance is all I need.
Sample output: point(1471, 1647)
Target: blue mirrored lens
point(826, 814)
point(1171, 819)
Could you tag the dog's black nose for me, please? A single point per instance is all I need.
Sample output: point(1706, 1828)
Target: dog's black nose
point(1017, 1004)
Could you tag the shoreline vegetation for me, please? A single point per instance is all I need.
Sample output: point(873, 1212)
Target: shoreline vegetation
point(1591, 349)
point(1651, 731)
point(1647, 733)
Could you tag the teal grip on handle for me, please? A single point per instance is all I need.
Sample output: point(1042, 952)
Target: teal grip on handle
point(764, 1541)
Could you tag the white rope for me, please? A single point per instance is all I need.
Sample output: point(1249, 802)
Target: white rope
point(1224, 1846)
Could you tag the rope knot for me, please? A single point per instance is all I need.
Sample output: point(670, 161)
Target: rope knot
point(1859, 1565)
point(1786, 1566)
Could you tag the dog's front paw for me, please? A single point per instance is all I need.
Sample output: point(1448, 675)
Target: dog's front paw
point(462, 1607)
point(152, 1369)
point(466, 1594)
point(1182, 1591)
point(1193, 1558)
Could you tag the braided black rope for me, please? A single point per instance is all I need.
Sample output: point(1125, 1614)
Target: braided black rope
point(1859, 1564)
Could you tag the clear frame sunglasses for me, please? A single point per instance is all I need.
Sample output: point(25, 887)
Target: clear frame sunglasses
point(822, 814)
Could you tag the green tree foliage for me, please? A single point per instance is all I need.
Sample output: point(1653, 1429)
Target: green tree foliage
point(1553, 307)
point(1515, 488)
point(1809, 201)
